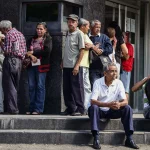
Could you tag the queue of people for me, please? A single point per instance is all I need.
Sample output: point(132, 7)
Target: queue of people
point(15, 50)
point(92, 65)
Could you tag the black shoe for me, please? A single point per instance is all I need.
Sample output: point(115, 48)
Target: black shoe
point(131, 144)
point(74, 114)
point(96, 144)
point(83, 113)
point(65, 113)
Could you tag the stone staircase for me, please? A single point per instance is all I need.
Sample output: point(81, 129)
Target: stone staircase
point(52, 129)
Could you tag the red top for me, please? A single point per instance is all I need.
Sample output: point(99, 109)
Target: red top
point(127, 64)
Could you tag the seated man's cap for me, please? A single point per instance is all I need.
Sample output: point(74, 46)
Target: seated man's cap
point(73, 17)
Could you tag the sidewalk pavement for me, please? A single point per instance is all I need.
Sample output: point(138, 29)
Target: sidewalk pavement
point(64, 147)
point(45, 116)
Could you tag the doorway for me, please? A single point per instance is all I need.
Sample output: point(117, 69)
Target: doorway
point(128, 20)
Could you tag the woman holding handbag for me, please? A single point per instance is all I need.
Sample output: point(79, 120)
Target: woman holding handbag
point(39, 52)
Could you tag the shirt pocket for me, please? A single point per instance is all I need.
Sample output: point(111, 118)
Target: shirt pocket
point(74, 44)
point(15, 46)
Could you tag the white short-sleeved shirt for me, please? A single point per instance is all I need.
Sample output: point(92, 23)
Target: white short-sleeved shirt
point(103, 93)
point(74, 42)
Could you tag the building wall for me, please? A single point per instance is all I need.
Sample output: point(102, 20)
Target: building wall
point(94, 9)
point(10, 10)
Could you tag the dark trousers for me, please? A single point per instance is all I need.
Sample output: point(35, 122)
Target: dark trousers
point(125, 113)
point(73, 90)
point(94, 75)
point(10, 82)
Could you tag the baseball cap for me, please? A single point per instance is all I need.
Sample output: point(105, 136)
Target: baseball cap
point(73, 17)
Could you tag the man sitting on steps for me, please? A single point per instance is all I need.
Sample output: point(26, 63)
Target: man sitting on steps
point(145, 85)
point(109, 101)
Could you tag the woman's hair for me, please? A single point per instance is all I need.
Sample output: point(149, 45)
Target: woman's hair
point(110, 32)
point(118, 31)
point(45, 27)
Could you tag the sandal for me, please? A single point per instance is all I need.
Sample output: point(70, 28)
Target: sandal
point(35, 113)
point(28, 113)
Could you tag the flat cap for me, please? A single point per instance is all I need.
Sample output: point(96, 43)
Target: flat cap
point(73, 17)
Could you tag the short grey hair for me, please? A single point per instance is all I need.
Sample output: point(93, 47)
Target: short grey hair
point(82, 22)
point(93, 22)
point(106, 68)
point(6, 24)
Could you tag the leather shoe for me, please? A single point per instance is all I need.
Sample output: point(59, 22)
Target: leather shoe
point(96, 144)
point(65, 113)
point(131, 144)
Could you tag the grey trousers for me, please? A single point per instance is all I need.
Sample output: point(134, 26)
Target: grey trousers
point(10, 81)
point(87, 87)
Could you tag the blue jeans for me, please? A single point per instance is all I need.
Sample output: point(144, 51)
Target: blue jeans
point(125, 78)
point(36, 89)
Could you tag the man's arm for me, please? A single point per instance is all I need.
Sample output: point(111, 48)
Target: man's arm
point(1, 43)
point(77, 65)
point(94, 48)
point(101, 104)
point(108, 48)
point(139, 84)
point(118, 104)
point(124, 51)
point(81, 44)
point(121, 99)
point(113, 105)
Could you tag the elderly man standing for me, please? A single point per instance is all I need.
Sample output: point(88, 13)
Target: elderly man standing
point(108, 100)
point(105, 48)
point(72, 72)
point(14, 48)
point(84, 27)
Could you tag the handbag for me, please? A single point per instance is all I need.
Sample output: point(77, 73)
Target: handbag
point(26, 62)
point(103, 58)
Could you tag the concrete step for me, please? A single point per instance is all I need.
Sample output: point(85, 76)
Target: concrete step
point(44, 122)
point(68, 137)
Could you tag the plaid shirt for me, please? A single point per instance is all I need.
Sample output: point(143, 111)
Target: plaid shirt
point(15, 44)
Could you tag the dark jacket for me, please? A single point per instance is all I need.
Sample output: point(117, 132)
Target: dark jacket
point(44, 54)
point(105, 45)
